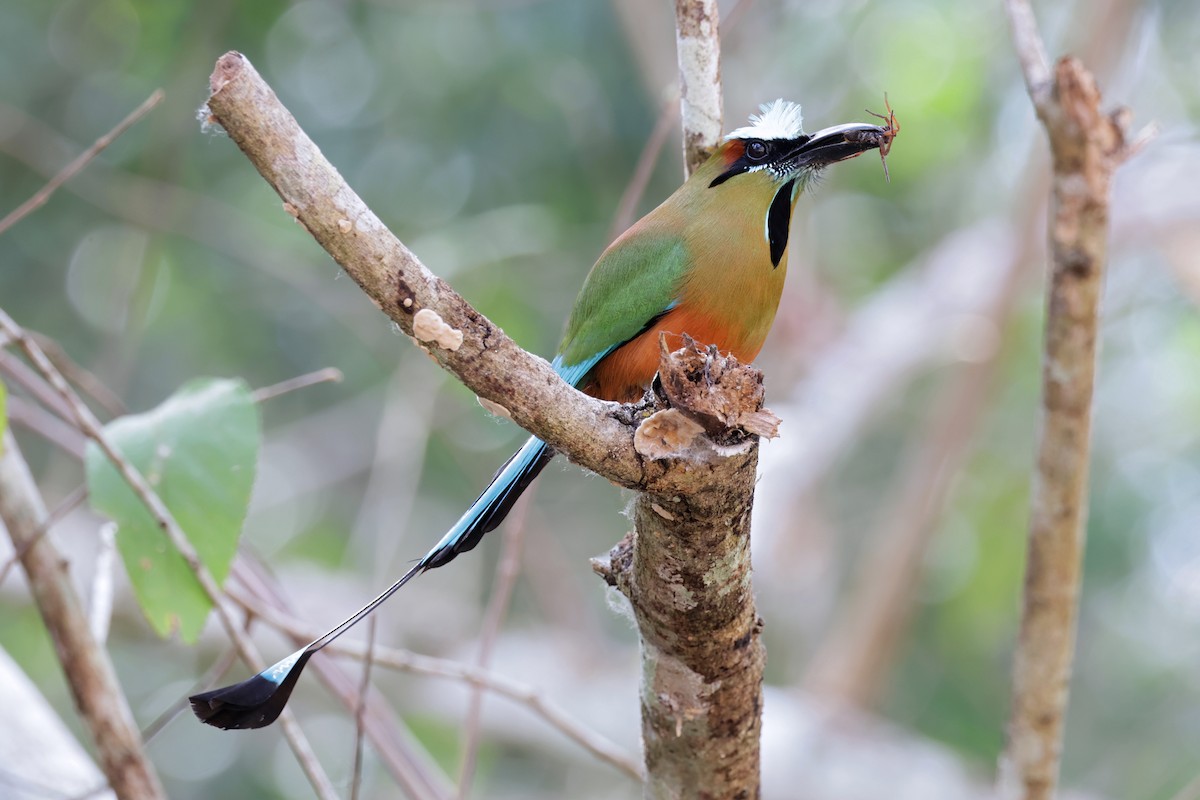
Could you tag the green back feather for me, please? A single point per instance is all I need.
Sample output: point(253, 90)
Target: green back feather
point(636, 279)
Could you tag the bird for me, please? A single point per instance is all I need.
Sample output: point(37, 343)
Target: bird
point(709, 262)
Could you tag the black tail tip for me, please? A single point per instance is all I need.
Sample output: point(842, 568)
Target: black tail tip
point(253, 703)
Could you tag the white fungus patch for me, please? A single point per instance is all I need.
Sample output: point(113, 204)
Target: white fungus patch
point(428, 326)
point(666, 433)
point(493, 408)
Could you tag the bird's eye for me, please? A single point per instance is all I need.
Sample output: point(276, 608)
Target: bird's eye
point(756, 151)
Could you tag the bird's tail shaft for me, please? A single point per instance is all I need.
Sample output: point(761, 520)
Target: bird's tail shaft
point(484, 515)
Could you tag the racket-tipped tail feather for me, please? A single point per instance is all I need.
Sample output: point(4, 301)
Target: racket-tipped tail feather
point(253, 703)
point(257, 702)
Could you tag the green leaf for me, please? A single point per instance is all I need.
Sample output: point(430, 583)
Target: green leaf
point(198, 451)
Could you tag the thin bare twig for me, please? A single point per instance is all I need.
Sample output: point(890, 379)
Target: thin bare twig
point(28, 379)
point(39, 199)
point(401, 438)
point(100, 598)
point(507, 569)
point(406, 661)
point(91, 385)
point(65, 507)
point(36, 419)
point(214, 673)
point(360, 712)
point(399, 751)
point(86, 665)
point(1035, 65)
point(163, 207)
point(1087, 146)
point(91, 427)
point(636, 187)
point(327, 375)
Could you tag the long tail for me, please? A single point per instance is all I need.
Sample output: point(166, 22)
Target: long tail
point(257, 702)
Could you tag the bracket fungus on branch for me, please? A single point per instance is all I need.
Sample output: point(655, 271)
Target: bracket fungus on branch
point(715, 405)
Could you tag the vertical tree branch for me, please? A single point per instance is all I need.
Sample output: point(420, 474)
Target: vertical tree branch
point(686, 572)
point(1087, 146)
point(86, 665)
point(686, 569)
point(702, 656)
point(698, 45)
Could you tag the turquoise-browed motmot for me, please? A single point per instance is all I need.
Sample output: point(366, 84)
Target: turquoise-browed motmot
point(709, 262)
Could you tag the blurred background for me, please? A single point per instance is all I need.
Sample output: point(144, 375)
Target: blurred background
point(497, 139)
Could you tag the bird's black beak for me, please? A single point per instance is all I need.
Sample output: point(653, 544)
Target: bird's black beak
point(841, 142)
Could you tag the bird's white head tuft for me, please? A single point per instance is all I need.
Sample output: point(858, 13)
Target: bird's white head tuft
point(777, 120)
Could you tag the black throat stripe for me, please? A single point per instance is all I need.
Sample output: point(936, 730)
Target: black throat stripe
point(779, 219)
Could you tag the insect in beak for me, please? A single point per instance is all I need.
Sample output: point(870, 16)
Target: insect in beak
point(877, 136)
point(890, 131)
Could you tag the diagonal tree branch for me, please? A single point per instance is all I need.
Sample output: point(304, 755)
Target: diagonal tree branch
point(595, 434)
point(81, 161)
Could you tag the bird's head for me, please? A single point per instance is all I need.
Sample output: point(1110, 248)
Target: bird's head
point(775, 145)
point(769, 162)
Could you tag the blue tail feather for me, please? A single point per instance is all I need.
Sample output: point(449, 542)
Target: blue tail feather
point(490, 508)
point(512, 479)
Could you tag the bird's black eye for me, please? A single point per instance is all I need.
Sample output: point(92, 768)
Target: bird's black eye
point(756, 150)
